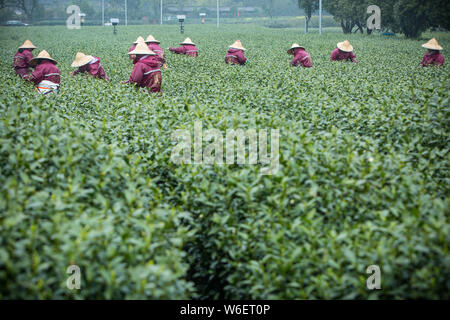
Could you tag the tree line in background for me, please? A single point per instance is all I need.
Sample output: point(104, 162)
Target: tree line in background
point(410, 17)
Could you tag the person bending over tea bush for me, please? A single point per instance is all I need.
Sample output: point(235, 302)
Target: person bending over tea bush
point(153, 45)
point(46, 75)
point(89, 64)
point(301, 57)
point(146, 72)
point(343, 52)
point(433, 57)
point(235, 54)
point(187, 48)
point(22, 58)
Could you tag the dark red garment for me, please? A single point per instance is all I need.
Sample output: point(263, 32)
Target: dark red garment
point(132, 47)
point(235, 56)
point(146, 73)
point(339, 55)
point(21, 62)
point(301, 57)
point(432, 59)
point(45, 70)
point(187, 49)
point(22, 71)
point(94, 69)
point(159, 52)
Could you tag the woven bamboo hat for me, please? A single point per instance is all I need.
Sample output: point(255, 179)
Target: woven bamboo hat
point(237, 45)
point(139, 39)
point(81, 59)
point(294, 46)
point(142, 49)
point(345, 46)
point(150, 38)
point(433, 45)
point(27, 45)
point(43, 55)
point(188, 41)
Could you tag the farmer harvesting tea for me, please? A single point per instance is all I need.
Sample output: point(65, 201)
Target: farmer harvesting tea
point(301, 57)
point(139, 39)
point(235, 54)
point(153, 45)
point(343, 52)
point(433, 57)
point(46, 75)
point(89, 64)
point(22, 58)
point(187, 48)
point(146, 71)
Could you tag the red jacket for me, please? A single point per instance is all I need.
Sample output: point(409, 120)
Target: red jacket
point(45, 70)
point(94, 69)
point(144, 69)
point(186, 49)
point(235, 56)
point(158, 50)
point(22, 59)
point(432, 59)
point(339, 55)
point(301, 57)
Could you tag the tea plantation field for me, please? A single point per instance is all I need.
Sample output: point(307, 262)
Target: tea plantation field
point(86, 176)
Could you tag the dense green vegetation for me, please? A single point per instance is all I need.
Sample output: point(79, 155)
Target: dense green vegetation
point(86, 176)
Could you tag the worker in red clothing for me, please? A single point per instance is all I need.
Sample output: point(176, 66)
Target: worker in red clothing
point(301, 57)
point(433, 57)
point(235, 54)
point(187, 48)
point(22, 58)
point(343, 52)
point(153, 45)
point(139, 39)
point(46, 75)
point(146, 71)
point(89, 64)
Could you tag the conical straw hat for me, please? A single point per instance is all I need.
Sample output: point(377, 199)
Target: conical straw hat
point(188, 41)
point(433, 45)
point(43, 55)
point(141, 48)
point(139, 39)
point(150, 38)
point(81, 59)
point(345, 46)
point(27, 45)
point(237, 45)
point(294, 46)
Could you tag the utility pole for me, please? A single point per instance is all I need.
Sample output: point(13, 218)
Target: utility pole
point(320, 16)
point(126, 13)
point(218, 13)
point(103, 12)
point(161, 12)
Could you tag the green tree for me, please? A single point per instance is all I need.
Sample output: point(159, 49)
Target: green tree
point(411, 16)
point(30, 8)
point(308, 6)
point(438, 13)
point(269, 7)
point(87, 8)
point(349, 13)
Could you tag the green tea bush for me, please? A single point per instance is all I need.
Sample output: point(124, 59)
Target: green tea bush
point(69, 198)
point(86, 176)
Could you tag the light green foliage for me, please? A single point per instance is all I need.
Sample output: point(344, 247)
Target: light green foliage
point(86, 176)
